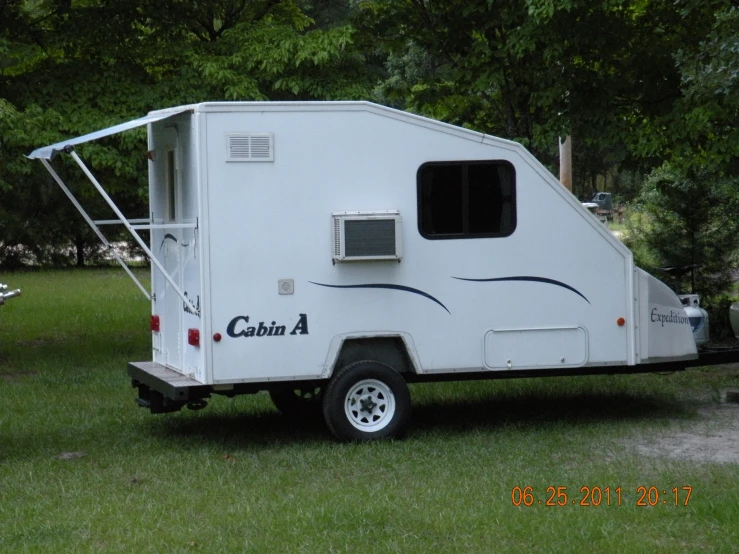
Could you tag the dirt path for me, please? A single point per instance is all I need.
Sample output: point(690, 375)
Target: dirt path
point(712, 438)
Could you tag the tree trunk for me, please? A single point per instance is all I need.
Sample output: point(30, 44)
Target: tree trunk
point(565, 162)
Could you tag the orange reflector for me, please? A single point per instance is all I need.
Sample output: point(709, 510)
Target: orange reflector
point(154, 324)
point(621, 321)
point(193, 337)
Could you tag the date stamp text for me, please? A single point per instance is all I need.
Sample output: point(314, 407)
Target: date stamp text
point(601, 496)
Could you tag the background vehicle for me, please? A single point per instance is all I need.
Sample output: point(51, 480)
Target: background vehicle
point(5, 294)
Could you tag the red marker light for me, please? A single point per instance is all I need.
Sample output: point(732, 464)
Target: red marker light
point(217, 337)
point(621, 322)
point(193, 337)
point(154, 324)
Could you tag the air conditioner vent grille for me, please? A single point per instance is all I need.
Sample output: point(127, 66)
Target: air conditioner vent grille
point(371, 237)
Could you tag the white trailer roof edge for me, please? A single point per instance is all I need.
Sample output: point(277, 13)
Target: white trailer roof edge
point(349, 106)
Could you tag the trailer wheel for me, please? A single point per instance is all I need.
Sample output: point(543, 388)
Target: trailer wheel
point(367, 400)
point(298, 402)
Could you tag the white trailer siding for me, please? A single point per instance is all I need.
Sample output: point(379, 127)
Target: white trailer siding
point(271, 221)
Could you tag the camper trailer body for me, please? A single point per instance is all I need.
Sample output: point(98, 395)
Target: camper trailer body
point(296, 239)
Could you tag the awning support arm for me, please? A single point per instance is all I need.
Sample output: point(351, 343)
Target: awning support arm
point(94, 227)
point(131, 230)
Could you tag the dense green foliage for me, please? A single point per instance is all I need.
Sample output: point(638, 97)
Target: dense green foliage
point(610, 73)
point(637, 83)
point(690, 221)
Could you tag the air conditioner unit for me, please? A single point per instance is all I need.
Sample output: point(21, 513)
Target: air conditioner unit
point(363, 236)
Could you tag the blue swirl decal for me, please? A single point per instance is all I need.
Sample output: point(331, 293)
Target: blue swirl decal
point(529, 278)
point(170, 236)
point(383, 286)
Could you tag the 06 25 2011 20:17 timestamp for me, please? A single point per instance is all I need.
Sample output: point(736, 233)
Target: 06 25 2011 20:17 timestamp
point(600, 496)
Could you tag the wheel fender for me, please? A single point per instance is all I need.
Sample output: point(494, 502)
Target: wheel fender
point(338, 343)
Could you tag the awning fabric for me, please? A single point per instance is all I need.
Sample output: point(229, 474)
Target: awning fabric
point(48, 152)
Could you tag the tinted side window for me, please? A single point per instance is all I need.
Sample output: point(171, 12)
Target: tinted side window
point(466, 199)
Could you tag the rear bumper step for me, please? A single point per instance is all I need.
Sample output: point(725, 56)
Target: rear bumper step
point(163, 390)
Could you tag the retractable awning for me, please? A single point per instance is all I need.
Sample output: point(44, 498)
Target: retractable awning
point(48, 152)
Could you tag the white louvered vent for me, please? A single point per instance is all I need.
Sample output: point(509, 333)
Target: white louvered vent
point(250, 147)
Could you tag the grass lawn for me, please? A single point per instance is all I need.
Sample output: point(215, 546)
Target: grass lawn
point(238, 476)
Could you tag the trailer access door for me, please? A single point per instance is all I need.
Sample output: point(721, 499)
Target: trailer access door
point(174, 234)
point(166, 246)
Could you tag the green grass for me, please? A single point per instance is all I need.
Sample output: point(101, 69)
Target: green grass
point(238, 476)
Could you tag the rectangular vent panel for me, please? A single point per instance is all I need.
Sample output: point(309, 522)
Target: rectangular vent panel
point(250, 147)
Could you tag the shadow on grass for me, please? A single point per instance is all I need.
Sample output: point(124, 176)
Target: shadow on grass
point(531, 411)
point(240, 430)
point(449, 416)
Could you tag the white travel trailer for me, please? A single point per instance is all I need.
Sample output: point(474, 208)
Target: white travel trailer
point(332, 252)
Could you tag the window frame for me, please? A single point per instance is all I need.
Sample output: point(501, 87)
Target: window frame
point(465, 200)
point(171, 192)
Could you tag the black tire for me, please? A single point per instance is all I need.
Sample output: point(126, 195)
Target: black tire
point(300, 401)
point(365, 401)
